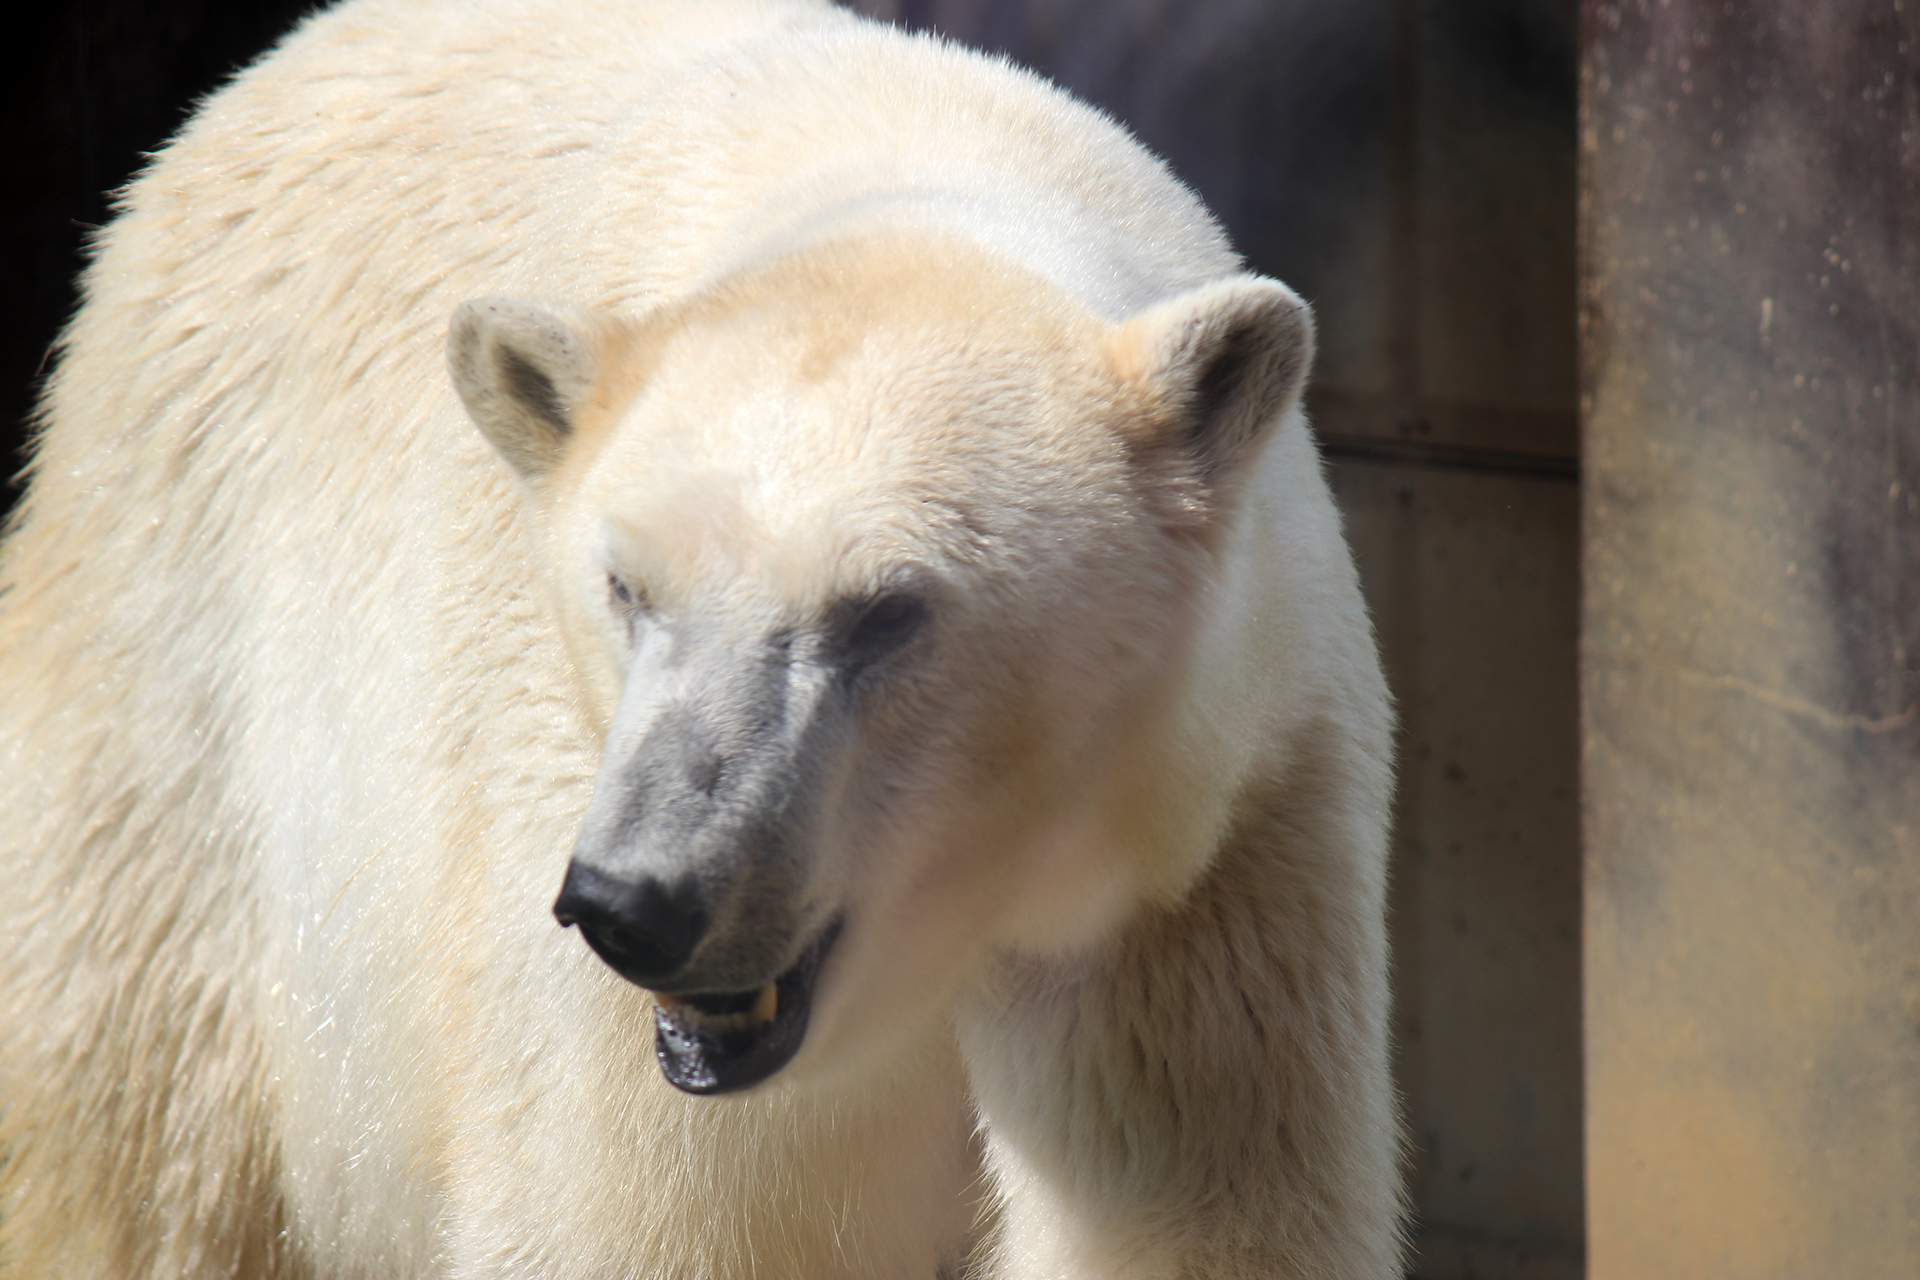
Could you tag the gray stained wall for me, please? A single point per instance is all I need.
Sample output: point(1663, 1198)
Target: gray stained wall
point(1751, 184)
point(1408, 165)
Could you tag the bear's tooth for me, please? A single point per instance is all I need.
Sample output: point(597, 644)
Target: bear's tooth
point(688, 1014)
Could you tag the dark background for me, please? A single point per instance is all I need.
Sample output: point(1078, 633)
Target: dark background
point(92, 86)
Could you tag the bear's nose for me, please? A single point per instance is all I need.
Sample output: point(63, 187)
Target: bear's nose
point(645, 929)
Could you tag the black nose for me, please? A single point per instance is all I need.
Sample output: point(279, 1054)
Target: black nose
point(646, 929)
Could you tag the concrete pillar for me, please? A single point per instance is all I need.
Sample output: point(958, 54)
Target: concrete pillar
point(1751, 709)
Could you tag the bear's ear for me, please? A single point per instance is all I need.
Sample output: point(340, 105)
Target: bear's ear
point(522, 372)
point(1218, 366)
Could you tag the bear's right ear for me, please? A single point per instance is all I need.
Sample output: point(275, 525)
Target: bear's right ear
point(522, 372)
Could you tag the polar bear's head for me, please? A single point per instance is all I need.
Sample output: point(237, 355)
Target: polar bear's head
point(879, 562)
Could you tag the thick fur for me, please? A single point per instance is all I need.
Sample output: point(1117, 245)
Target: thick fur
point(305, 682)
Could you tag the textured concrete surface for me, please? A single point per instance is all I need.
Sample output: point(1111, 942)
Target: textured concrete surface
point(1469, 577)
point(1752, 331)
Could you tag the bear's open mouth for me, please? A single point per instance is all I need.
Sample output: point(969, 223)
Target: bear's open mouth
point(718, 1042)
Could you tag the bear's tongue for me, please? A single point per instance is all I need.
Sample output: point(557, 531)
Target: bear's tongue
point(723, 1041)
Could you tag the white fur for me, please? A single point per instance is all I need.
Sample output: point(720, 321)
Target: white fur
point(302, 697)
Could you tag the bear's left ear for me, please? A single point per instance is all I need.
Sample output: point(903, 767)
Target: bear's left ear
point(1219, 365)
point(522, 372)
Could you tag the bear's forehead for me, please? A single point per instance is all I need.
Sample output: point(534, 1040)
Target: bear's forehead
point(900, 313)
point(770, 490)
point(872, 460)
point(713, 513)
point(854, 407)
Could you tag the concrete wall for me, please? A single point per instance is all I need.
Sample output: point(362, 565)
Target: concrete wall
point(1752, 710)
point(1409, 166)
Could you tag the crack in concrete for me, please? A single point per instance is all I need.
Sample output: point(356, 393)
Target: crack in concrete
point(1801, 707)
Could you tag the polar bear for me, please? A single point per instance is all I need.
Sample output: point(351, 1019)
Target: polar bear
point(819, 512)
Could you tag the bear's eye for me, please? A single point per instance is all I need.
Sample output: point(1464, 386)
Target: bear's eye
point(623, 596)
point(885, 624)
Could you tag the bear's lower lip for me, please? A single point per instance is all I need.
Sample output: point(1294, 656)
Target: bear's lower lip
point(721, 1042)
